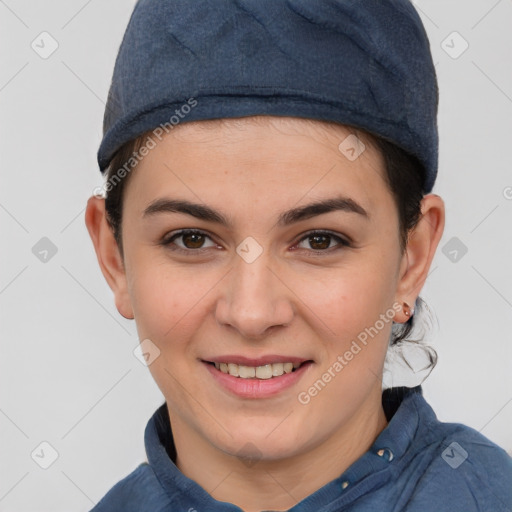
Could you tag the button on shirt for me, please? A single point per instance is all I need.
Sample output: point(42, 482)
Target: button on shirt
point(416, 464)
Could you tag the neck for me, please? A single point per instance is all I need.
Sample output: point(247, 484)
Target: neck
point(277, 484)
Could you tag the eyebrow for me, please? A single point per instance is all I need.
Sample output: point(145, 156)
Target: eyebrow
point(203, 212)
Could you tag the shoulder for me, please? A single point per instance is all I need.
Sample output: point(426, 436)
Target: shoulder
point(140, 491)
point(460, 469)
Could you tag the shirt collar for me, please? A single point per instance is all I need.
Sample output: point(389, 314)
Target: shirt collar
point(403, 408)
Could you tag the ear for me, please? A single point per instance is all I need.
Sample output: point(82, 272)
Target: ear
point(108, 254)
point(420, 251)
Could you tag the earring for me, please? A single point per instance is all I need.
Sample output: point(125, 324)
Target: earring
point(408, 311)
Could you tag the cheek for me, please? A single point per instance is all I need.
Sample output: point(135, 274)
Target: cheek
point(169, 305)
point(348, 298)
point(167, 301)
point(353, 317)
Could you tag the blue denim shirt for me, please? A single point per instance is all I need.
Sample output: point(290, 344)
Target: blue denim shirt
point(416, 464)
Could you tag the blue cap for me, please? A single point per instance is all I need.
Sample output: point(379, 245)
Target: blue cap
point(365, 63)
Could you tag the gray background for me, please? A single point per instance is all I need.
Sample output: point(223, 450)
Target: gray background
point(68, 375)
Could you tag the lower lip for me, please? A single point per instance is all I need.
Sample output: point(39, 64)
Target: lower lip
point(257, 388)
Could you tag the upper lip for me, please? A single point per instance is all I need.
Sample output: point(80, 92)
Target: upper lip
point(256, 361)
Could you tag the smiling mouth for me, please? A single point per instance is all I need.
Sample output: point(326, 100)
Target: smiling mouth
point(264, 372)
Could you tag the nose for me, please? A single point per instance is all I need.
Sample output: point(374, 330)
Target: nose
point(255, 299)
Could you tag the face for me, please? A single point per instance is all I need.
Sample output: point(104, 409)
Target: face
point(229, 266)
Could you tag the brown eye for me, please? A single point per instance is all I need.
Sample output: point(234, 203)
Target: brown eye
point(190, 241)
point(193, 240)
point(321, 241)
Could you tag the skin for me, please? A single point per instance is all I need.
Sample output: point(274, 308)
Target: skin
point(292, 300)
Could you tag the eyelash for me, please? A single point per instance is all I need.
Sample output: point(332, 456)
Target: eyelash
point(169, 241)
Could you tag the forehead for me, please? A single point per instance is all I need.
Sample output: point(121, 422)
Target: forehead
point(266, 158)
point(232, 130)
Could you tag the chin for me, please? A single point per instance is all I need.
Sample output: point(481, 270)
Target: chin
point(262, 441)
point(251, 452)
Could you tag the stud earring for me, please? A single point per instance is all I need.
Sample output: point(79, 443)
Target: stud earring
point(408, 311)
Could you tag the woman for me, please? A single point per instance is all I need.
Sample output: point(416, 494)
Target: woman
point(269, 224)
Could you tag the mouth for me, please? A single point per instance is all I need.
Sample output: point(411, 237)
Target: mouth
point(257, 378)
point(263, 372)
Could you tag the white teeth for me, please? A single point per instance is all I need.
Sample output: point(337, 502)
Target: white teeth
point(233, 369)
point(266, 371)
point(288, 367)
point(277, 369)
point(246, 372)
